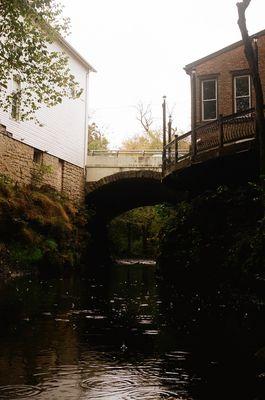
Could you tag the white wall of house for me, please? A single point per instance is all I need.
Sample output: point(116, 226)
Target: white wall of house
point(63, 130)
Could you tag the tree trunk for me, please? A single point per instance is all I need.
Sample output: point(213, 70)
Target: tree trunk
point(252, 59)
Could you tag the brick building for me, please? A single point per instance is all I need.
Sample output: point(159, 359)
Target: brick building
point(221, 82)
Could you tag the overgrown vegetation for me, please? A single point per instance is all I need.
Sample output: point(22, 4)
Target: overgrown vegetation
point(217, 239)
point(39, 228)
point(136, 232)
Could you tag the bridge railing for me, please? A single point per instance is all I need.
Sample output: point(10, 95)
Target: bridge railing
point(118, 153)
point(216, 134)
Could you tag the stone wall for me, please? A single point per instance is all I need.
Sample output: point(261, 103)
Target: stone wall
point(73, 183)
point(17, 162)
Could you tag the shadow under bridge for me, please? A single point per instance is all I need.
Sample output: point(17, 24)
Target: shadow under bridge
point(124, 191)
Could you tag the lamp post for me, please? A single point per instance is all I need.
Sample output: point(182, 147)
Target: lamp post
point(169, 134)
point(164, 130)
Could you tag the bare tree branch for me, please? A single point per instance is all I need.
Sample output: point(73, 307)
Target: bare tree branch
point(144, 116)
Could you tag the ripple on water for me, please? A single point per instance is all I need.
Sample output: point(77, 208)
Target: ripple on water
point(178, 355)
point(15, 392)
point(143, 383)
point(125, 389)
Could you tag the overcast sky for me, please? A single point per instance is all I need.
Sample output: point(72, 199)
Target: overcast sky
point(139, 49)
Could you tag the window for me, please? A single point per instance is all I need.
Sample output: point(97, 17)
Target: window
point(209, 99)
point(242, 93)
point(15, 107)
point(37, 156)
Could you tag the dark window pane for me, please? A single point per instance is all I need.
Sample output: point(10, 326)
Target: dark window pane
point(209, 88)
point(242, 86)
point(209, 109)
point(242, 104)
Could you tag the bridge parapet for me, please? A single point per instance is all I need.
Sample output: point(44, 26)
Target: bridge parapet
point(103, 163)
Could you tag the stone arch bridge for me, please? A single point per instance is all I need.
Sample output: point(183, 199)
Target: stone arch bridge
point(220, 152)
point(119, 181)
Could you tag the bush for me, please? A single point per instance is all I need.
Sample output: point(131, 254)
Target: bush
point(217, 238)
point(38, 226)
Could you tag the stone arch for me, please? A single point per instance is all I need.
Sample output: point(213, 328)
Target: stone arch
point(93, 186)
point(123, 191)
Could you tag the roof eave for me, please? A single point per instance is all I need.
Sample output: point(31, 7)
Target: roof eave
point(72, 50)
point(189, 67)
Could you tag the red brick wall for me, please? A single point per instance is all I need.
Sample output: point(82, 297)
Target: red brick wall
point(223, 66)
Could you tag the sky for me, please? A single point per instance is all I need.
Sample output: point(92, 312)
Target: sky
point(139, 49)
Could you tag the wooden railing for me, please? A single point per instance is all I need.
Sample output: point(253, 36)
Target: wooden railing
point(216, 134)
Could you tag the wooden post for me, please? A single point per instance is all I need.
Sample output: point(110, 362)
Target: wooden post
point(193, 110)
point(164, 155)
point(221, 131)
point(169, 129)
point(176, 149)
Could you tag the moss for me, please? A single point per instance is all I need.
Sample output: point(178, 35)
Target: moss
point(39, 227)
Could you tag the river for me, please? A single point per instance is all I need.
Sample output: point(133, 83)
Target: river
point(118, 335)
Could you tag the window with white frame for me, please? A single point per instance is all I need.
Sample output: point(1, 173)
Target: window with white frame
point(242, 93)
point(16, 93)
point(209, 99)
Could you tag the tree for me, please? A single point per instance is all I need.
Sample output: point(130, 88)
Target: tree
point(42, 76)
point(150, 139)
point(96, 139)
point(252, 58)
point(136, 232)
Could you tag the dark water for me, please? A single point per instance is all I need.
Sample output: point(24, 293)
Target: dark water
point(117, 336)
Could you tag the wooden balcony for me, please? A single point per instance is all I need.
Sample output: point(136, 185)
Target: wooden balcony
point(225, 135)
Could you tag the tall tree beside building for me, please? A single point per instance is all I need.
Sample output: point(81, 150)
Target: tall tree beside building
point(251, 52)
point(42, 76)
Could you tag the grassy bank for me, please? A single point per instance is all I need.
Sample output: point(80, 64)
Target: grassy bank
point(39, 229)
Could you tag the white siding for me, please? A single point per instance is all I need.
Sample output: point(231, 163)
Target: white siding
point(63, 133)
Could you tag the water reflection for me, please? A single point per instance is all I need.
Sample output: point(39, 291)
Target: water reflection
point(105, 337)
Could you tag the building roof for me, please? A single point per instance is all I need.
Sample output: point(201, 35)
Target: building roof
point(232, 46)
point(75, 53)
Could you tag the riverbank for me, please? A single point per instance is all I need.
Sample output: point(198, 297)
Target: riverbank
point(40, 230)
point(216, 241)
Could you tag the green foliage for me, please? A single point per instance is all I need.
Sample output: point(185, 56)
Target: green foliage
point(43, 77)
point(38, 173)
point(38, 227)
point(135, 233)
point(96, 139)
point(217, 237)
point(25, 255)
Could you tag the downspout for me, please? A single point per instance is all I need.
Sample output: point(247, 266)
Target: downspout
point(86, 123)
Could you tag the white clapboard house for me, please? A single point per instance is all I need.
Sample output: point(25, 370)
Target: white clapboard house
point(63, 129)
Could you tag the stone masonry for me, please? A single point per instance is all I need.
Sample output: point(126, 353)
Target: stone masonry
point(17, 162)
